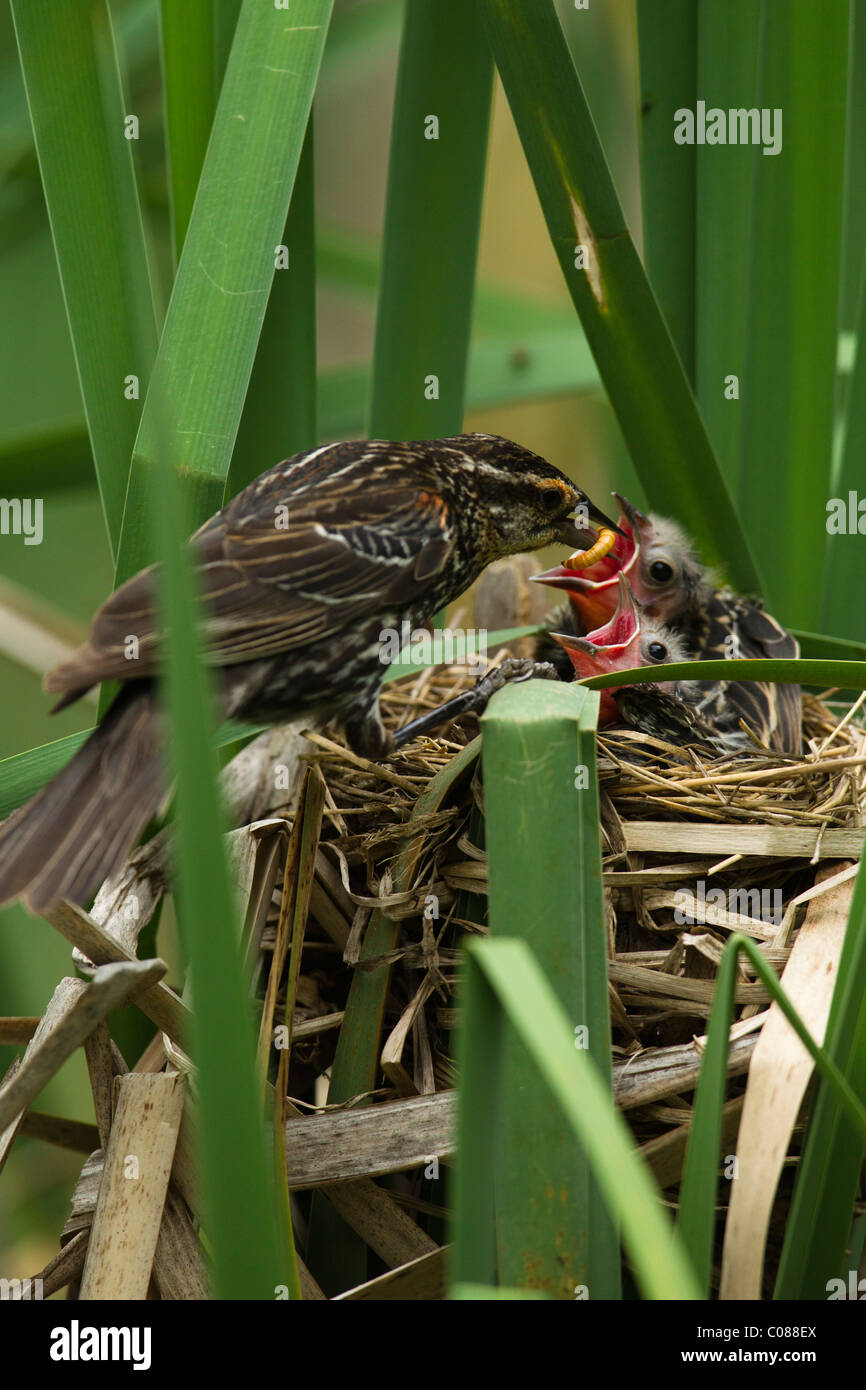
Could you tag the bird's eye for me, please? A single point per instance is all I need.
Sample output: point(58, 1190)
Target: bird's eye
point(657, 651)
point(552, 500)
point(661, 571)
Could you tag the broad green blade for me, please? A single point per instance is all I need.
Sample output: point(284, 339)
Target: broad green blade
point(845, 508)
point(438, 150)
point(516, 993)
point(633, 349)
point(828, 1175)
point(728, 34)
point(668, 46)
point(76, 106)
point(481, 1043)
point(225, 23)
point(850, 675)
point(208, 345)
point(485, 1294)
point(190, 83)
point(822, 648)
point(279, 416)
point(538, 743)
point(789, 384)
point(696, 1218)
point(698, 1191)
point(854, 239)
point(240, 1211)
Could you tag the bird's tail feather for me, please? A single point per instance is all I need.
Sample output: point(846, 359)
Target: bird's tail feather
point(77, 829)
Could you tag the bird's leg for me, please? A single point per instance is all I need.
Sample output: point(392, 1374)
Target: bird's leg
point(474, 701)
point(367, 735)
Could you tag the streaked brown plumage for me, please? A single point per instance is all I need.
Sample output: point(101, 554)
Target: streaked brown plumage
point(729, 627)
point(300, 573)
point(665, 715)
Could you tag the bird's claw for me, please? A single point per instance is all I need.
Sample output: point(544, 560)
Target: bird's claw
point(511, 671)
point(475, 701)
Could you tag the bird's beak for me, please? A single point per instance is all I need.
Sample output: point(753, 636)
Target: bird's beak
point(607, 648)
point(580, 531)
point(593, 590)
point(640, 525)
point(622, 629)
point(631, 513)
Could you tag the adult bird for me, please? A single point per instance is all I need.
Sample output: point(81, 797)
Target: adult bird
point(304, 575)
point(667, 577)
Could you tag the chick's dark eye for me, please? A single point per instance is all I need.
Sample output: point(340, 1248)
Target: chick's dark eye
point(657, 651)
point(552, 501)
point(661, 571)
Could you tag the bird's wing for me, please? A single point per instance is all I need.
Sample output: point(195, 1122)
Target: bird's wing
point(278, 568)
point(271, 588)
point(761, 635)
point(773, 711)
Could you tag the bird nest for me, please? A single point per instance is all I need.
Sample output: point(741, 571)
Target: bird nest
point(680, 832)
point(339, 856)
point(692, 850)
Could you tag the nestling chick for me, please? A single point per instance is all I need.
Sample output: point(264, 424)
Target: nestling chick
point(713, 623)
point(657, 558)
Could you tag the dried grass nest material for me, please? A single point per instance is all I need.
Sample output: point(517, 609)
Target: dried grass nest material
point(787, 829)
point(753, 821)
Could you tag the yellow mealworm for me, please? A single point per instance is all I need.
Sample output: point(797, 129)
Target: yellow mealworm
point(603, 546)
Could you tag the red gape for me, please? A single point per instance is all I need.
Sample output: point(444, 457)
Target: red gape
point(630, 638)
